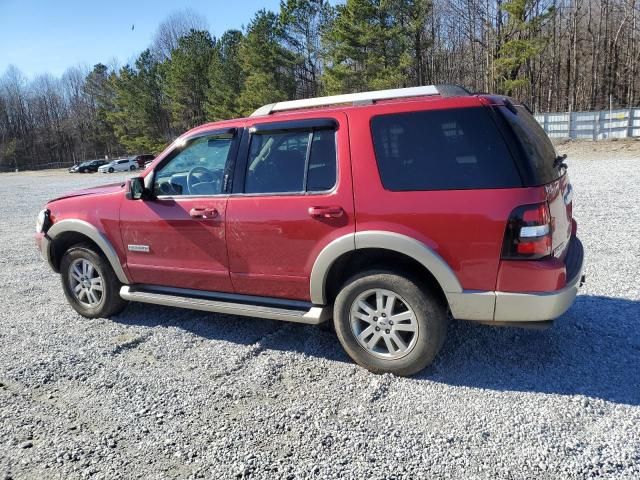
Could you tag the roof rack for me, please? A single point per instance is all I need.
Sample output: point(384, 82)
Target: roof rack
point(362, 98)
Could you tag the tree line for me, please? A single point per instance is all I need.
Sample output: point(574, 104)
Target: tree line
point(555, 55)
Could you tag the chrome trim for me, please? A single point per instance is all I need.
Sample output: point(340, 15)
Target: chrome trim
point(138, 248)
point(85, 228)
point(313, 316)
point(175, 198)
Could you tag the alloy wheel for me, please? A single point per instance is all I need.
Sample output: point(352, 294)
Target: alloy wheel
point(86, 283)
point(384, 324)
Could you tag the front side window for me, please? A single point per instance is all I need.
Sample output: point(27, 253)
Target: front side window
point(196, 169)
point(291, 162)
point(442, 150)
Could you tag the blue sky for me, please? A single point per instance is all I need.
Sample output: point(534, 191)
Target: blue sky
point(48, 36)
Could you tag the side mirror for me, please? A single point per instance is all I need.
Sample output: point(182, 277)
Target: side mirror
point(135, 188)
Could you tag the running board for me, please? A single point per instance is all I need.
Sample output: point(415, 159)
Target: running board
point(299, 312)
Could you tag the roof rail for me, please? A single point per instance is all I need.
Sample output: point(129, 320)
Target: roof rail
point(356, 98)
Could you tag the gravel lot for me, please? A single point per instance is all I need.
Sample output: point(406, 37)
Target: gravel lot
point(167, 393)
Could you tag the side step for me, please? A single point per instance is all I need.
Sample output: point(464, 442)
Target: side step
point(245, 305)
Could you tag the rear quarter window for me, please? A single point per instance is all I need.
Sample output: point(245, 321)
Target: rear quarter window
point(450, 149)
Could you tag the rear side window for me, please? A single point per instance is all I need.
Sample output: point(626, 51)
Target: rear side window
point(291, 162)
point(534, 144)
point(442, 150)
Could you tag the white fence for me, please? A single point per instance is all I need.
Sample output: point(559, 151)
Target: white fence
point(592, 125)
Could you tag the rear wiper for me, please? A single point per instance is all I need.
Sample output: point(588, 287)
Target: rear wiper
point(559, 161)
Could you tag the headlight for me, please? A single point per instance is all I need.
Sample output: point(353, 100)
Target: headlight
point(43, 222)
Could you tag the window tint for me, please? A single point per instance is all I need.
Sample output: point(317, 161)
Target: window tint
point(441, 150)
point(196, 169)
point(282, 162)
point(534, 142)
point(321, 175)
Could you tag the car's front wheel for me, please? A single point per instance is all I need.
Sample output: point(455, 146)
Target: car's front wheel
point(389, 323)
point(111, 170)
point(89, 283)
point(132, 168)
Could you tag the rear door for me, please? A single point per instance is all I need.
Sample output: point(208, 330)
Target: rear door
point(292, 196)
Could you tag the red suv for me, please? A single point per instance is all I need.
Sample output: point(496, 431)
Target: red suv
point(388, 211)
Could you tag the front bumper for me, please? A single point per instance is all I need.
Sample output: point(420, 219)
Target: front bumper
point(507, 307)
point(43, 242)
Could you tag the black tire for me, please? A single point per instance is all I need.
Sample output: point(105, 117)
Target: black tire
point(111, 303)
point(111, 170)
point(429, 313)
point(132, 168)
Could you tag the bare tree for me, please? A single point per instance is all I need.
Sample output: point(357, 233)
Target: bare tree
point(176, 25)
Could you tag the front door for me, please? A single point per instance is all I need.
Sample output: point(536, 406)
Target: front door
point(292, 196)
point(177, 238)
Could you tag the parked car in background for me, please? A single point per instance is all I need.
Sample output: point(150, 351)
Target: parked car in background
point(463, 208)
point(121, 165)
point(143, 160)
point(88, 166)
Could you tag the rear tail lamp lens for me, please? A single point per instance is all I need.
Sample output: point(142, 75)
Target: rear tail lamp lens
point(528, 233)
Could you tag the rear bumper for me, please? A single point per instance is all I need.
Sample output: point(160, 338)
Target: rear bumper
point(523, 307)
point(529, 307)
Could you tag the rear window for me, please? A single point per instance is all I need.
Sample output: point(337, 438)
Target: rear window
point(450, 149)
point(534, 142)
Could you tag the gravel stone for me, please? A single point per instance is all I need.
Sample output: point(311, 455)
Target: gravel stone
point(166, 393)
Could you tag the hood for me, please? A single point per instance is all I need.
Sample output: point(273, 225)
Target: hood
point(104, 189)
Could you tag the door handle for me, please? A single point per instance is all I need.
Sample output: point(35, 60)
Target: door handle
point(206, 213)
point(326, 212)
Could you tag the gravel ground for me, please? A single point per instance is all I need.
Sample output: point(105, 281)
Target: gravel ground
point(166, 393)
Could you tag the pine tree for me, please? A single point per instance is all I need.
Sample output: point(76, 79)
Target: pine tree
point(226, 78)
point(365, 47)
point(140, 117)
point(303, 23)
point(519, 42)
point(99, 90)
point(267, 65)
point(187, 79)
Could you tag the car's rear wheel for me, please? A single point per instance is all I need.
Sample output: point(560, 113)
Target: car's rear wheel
point(389, 323)
point(89, 283)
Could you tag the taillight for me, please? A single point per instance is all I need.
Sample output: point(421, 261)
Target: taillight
point(528, 233)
